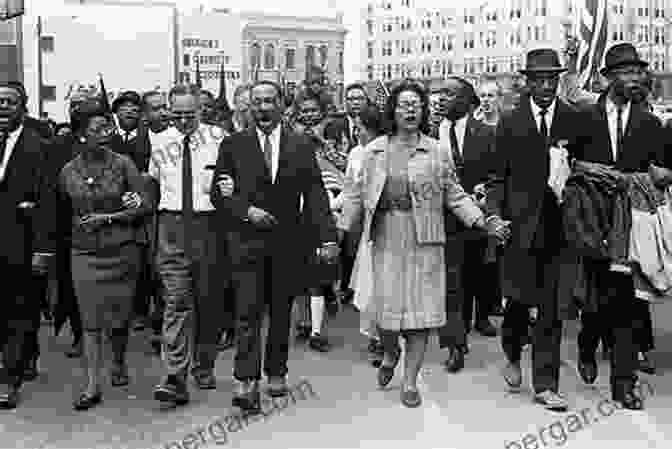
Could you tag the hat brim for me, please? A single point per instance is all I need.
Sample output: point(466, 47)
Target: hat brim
point(639, 62)
point(543, 70)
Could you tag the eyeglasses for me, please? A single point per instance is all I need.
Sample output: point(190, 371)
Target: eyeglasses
point(260, 101)
point(103, 130)
point(183, 115)
point(638, 71)
point(356, 98)
point(410, 106)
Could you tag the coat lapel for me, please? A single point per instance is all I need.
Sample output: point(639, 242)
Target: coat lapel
point(283, 156)
point(256, 156)
point(14, 157)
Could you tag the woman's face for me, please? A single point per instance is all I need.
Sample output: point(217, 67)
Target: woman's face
point(489, 95)
point(408, 111)
point(310, 113)
point(99, 132)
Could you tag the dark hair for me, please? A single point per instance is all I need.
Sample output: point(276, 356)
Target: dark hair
point(269, 83)
point(470, 91)
point(86, 111)
point(147, 95)
point(372, 119)
point(307, 95)
point(354, 86)
point(185, 89)
point(390, 107)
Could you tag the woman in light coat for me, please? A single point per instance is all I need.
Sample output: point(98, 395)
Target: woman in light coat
point(401, 194)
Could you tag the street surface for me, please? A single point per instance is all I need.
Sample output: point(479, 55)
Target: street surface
point(470, 410)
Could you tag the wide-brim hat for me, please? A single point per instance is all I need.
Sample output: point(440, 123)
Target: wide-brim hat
point(542, 60)
point(126, 97)
point(620, 55)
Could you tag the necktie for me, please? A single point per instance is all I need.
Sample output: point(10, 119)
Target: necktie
point(619, 133)
point(127, 136)
point(355, 135)
point(3, 146)
point(268, 154)
point(187, 190)
point(455, 148)
point(543, 128)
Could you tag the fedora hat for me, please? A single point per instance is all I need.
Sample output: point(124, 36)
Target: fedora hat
point(619, 55)
point(542, 60)
point(126, 97)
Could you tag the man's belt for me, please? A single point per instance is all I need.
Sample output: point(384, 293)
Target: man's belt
point(202, 213)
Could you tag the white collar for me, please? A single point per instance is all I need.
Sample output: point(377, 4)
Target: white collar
point(549, 110)
point(272, 135)
point(610, 107)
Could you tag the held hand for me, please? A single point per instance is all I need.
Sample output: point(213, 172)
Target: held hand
point(225, 185)
point(498, 228)
point(261, 218)
point(93, 222)
point(329, 253)
point(131, 200)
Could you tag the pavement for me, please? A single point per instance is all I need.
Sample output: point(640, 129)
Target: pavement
point(345, 409)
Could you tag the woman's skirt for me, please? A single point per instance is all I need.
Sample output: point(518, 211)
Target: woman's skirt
point(409, 280)
point(105, 283)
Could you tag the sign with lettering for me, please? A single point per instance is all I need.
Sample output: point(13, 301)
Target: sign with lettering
point(11, 8)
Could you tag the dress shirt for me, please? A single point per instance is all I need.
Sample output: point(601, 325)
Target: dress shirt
point(612, 119)
point(550, 113)
point(275, 148)
point(11, 142)
point(165, 165)
point(132, 134)
point(460, 130)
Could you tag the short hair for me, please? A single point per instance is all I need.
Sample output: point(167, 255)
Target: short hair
point(354, 86)
point(407, 85)
point(307, 95)
point(208, 94)
point(471, 92)
point(185, 89)
point(268, 83)
point(372, 119)
point(147, 95)
point(19, 88)
point(489, 80)
point(87, 110)
point(241, 88)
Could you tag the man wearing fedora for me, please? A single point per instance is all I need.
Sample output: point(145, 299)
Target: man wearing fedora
point(619, 128)
point(537, 251)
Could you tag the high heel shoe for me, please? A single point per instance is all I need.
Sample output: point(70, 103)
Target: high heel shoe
point(85, 402)
point(386, 373)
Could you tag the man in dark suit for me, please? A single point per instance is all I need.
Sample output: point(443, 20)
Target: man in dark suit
point(619, 129)
point(531, 263)
point(272, 170)
point(471, 144)
point(132, 139)
point(21, 190)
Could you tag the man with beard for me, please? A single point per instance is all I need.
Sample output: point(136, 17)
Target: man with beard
point(470, 144)
point(132, 140)
point(271, 169)
point(619, 129)
point(22, 190)
point(532, 261)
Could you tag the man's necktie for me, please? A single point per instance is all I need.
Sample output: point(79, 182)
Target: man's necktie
point(355, 135)
point(268, 154)
point(127, 136)
point(619, 133)
point(543, 128)
point(187, 191)
point(3, 146)
point(455, 148)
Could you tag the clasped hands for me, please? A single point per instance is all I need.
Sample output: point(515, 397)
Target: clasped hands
point(93, 222)
point(496, 227)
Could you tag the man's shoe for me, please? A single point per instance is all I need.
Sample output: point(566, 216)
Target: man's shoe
point(247, 397)
point(386, 373)
point(628, 399)
point(551, 401)
point(205, 380)
point(455, 361)
point(30, 373)
point(172, 390)
point(588, 371)
point(319, 343)
point(9, 397)
point(75, 351)
point(645, 365)
point(513, 375)
point(486, 328)
point(277, 387)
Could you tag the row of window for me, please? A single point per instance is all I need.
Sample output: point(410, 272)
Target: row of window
point(444, 67)
point(312, 59)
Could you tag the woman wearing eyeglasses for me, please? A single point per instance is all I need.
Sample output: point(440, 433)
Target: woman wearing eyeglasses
point(404, 188)
point(101, 200)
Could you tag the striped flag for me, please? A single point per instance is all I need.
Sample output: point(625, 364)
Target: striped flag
point(381, 95)
point(592, 39)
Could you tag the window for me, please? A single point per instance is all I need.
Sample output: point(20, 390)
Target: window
point(186, 60)
point(369, 26)
point(255, 55)
point(290, 59)
point(47, 44)
point(369, 72)
point(310, 56)
point(48, 93)
point(369, 50)
point(269, 56)
point(324, 55)
point(341, 66)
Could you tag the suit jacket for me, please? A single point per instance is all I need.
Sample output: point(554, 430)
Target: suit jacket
point(138, 148)
point(644, 140)
point(41, 128)
point(24, 181)
point(478, 153)
point(521, 193)
point(298, 176)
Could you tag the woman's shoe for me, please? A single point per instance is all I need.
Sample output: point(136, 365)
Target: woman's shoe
point(119, 376)
point(85, 402)
point(386, 373)
point(410, 398)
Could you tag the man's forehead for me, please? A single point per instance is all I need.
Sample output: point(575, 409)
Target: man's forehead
point(6, 91)
point(264, 90)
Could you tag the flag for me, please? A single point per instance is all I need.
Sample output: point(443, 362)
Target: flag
point(103, 94)
point(222, 102)
point(381, 95)
point(592, 39)
point(199, 82)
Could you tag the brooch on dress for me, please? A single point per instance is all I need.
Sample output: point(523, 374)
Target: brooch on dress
point(89, 181)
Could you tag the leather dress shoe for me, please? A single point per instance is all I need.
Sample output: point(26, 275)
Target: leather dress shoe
point(9, 397)
point(75, 351)
point(386, 373)
point(455, 361)
point(628, 399)
point(173, 389)
point(30, 372)
point(319, 343)
point(205, 380)
point(513, 375)
point(277, 387)
point(645, 365)
point(588, 370)
point(410, 398)
point(85, 402)
point(486, 328)
point(247, 397)
point(551, 401)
